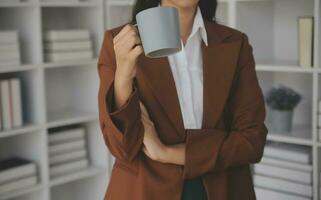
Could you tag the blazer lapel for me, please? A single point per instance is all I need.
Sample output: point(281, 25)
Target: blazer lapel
point(158, 74)
point(219, 64)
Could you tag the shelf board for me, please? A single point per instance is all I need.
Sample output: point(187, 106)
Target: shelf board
point(300, 134)
point(21, 192)
point(71, 63)
point(120, 2)
point(81, 174)
point(67, 117)
point(284, 68)
point(17, 4)
point(28, 128)
point(251, 0)
point(70, 4)
point(18, 68)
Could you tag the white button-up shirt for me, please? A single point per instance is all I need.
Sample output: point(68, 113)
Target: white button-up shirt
point(187, 70)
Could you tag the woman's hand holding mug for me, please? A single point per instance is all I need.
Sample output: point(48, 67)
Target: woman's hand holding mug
point(127, 46)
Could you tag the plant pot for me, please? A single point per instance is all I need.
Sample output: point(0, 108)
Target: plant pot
point(280, 120)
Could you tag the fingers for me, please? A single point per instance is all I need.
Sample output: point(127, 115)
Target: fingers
point(127, 30)
point(129, 41)
point(146, 152)
point(143, 108)
point(123, 32)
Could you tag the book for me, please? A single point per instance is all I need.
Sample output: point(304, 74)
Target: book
point(282, 185)
point(280, 172)
point(286, 164)
point(68, 167)
point(8, 36)
point(66, 135)
point(73, 55)
point(266, 194)
point(18, 184)
point(65, 157)
point(66, 147)
point(66, 35)
point(68, 45)
point(305, 33)
point(289, 152)
point(15, 167)
point(15, 87)
point(6, 104)
point(11, 107)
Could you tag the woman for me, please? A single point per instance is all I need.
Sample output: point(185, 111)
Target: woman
point(186, 126)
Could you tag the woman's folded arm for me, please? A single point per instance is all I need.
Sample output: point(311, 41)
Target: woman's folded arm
point(210, 150)
point(121, 127)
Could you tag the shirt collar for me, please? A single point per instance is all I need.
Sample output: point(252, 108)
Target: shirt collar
point(198, 25)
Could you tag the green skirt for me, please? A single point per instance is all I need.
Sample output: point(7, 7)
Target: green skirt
point(194, 189)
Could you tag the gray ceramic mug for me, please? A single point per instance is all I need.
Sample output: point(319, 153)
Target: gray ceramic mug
point(158, 28)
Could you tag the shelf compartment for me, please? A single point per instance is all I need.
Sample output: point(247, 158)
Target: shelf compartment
point(24, 20)
point(273, 33)
point(28, 146)
point(61, 18)
point(30, 83)
point(300, 82)
point(69, 98)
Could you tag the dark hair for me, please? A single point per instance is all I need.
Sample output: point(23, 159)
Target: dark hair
point(208, 8)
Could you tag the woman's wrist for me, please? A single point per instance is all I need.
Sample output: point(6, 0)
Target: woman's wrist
point(174, 154)
point(122, 88)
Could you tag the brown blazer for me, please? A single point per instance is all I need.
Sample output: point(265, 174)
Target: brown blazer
point(232, 136)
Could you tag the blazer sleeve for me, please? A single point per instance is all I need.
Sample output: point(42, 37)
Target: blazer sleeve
point(210, 150)
point(122, 129)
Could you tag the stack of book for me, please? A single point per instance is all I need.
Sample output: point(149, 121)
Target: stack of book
point(62, 45)
point(9, 48)
point(17, 173)
point(11, 115)
point(67, 150)
point(284, 173)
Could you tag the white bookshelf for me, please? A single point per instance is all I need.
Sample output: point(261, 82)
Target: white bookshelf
point(56, 94)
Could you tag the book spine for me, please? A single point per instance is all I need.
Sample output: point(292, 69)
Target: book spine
point(282, 185)
point(5, 104)
point(16, 101)
point(288, 174)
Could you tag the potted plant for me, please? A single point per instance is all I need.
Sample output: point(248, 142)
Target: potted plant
point(281, 100)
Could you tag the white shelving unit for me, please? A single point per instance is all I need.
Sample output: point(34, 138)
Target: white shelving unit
point(272, 29)
point(56, 94)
